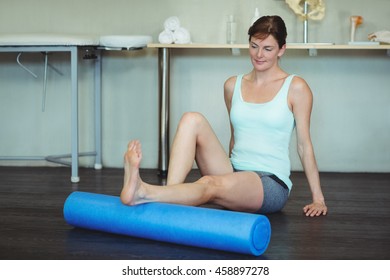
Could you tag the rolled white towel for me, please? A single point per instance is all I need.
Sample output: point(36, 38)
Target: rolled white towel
point(382, 36)
point(172, 23)
point(166, 37)
point(181, 36)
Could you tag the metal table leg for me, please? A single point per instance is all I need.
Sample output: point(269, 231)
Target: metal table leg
point(74, 116)
point(164, 64)
point(98, 110)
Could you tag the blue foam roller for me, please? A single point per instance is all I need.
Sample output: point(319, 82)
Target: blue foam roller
point(195, 226)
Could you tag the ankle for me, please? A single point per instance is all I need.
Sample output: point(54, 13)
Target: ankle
point(143, 194)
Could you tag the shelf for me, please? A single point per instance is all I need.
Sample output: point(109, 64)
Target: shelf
point(311, 47)
point(296, 46)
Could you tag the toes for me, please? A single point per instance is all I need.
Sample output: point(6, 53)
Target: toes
point(134, 152)
point(134, 145)
point(131, 144)
point(137, 149)
point(137, 146)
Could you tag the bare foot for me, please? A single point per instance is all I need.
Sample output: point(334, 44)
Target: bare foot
point(132, 192)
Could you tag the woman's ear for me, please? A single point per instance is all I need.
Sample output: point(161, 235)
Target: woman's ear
point(281, 51)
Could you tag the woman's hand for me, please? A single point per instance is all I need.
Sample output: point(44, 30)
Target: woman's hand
point(315, 209)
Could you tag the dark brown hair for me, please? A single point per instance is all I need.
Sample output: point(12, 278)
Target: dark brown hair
point(269, 25)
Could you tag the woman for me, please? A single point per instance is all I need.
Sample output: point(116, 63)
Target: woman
point(264, 106)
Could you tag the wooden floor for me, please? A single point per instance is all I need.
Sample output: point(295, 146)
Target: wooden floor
point(32, 224)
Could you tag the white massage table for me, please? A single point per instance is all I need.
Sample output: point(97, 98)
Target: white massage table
point(72, 43)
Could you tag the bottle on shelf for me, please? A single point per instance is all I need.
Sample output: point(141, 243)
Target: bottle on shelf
point(231, 30)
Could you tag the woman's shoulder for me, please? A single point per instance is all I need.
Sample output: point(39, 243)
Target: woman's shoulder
point(230, 83)
point(298, 83)
point(299, 90)
point(229, 86)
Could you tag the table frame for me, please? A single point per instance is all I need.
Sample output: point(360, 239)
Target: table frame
point(74, 155)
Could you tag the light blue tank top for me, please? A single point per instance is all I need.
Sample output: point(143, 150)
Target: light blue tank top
point(262, 133)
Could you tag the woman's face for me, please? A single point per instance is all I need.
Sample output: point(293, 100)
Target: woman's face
point(264, 53)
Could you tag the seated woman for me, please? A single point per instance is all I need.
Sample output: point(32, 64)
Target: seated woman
point(264, 105)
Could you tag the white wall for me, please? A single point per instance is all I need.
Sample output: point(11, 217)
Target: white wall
point(351, 115)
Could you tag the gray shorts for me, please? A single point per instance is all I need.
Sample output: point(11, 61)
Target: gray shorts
point(276, 193)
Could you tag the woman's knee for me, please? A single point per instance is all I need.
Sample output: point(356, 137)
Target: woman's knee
point(213, 186)
point(207, 180)
point(191, 119)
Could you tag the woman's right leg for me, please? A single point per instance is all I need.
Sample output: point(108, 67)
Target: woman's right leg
point(196, 140)
point(239, 191)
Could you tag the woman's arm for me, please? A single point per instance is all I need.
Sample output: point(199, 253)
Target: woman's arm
point(228, 95)
point(301, 101)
